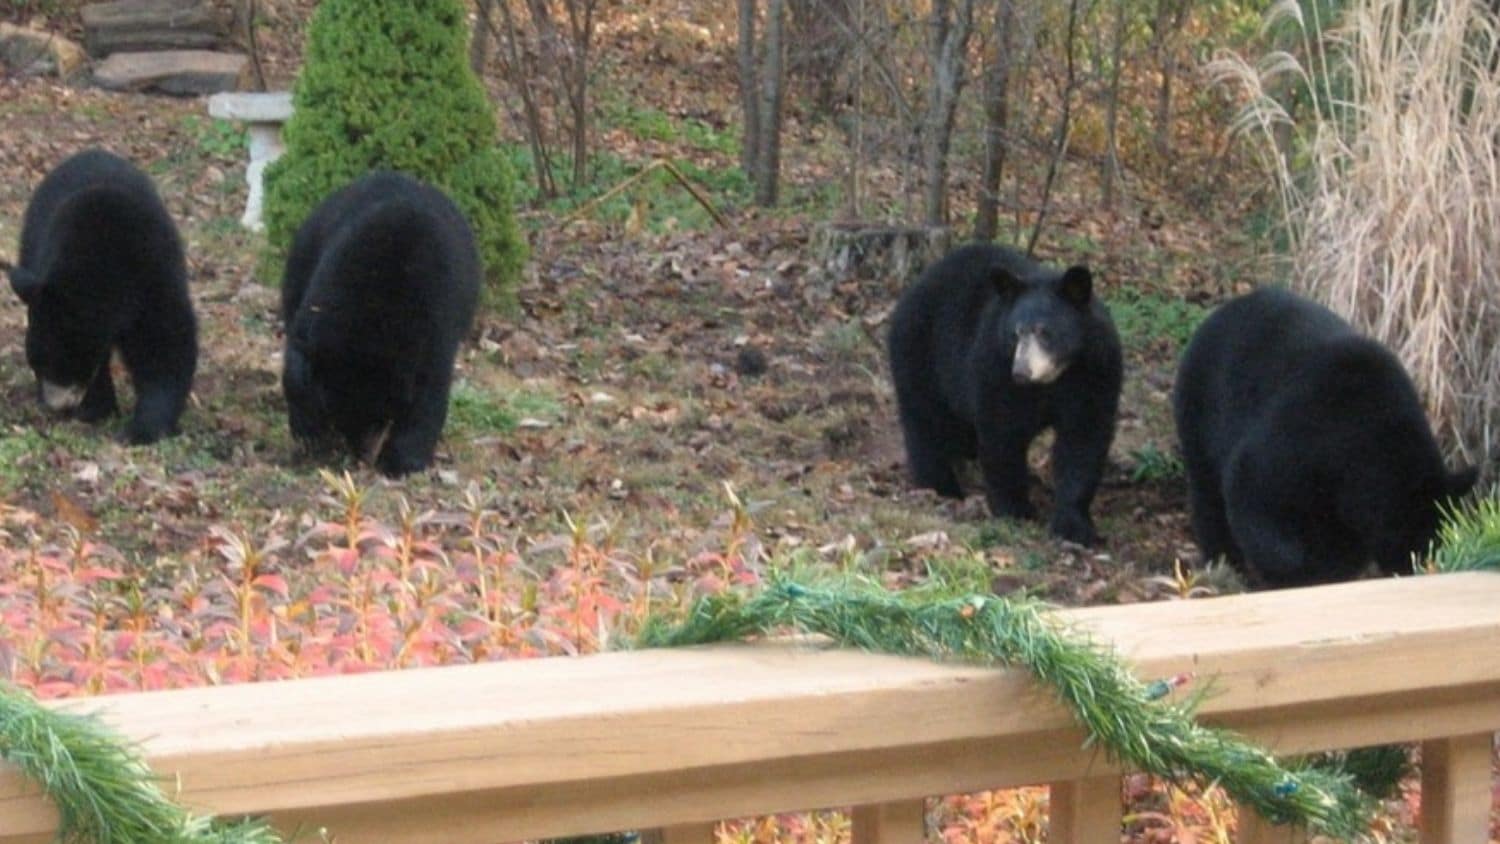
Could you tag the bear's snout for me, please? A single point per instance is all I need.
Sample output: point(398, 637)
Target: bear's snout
point(59, 398)
point(1033, 363)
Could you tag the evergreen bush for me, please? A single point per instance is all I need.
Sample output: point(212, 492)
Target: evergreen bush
point(386, 84)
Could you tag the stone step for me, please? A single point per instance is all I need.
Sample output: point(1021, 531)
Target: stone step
point(178, 72)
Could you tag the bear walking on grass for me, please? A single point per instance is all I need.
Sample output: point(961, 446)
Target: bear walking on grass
point(988, 349)
point(101, 268)
point(380, 288)
point(1307, 450)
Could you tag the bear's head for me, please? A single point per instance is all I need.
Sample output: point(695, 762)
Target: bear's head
point(363, 395)
point(1046, 319)
point(64, 346)
point(1413, 516)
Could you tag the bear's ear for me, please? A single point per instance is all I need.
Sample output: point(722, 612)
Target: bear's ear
point(1077, 285)
point(25, 282)
point(1006, 283)
point(1460, 482)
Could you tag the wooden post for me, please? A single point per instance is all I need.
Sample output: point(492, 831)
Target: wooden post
point(1255, 830)
point(1456, 789)
point(891, 823)
point(692, 833)
point(1085, 811)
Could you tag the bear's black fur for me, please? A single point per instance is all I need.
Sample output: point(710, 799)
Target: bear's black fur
point(963, 392)
point(1307, 450)
point(101, 268)
point(380, 288)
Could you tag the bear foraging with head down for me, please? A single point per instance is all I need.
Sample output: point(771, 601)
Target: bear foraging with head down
point(988, 349)
point(380, 288)
point(1307, 450)
point(101, 268)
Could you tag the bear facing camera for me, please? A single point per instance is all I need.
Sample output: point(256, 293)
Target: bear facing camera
point(988, 349)
point(1307, 450)
point(380, 288)
point(101, 268)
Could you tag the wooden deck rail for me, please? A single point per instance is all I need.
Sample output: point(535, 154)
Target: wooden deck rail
point(677, 739)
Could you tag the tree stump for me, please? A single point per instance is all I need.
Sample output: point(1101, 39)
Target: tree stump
point(864, 250)
point(134, 26)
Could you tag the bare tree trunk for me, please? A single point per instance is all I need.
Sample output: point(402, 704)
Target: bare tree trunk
point(749, 89)
point(857, 139)
point(818, 47)
point(581, 36)
point(245, 14)
point(1111, 168)
point(1170, 16)
point(949, 47)
point(479, 40)
point(996, 120)
point(521, 73)
point(768, 152)
point(1064, 126)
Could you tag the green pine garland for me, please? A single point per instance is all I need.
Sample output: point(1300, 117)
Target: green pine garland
point(104, 793)
point(1469, 539)
point(1126, 717)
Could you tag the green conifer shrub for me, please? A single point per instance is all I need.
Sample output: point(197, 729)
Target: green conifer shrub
point(386, 84)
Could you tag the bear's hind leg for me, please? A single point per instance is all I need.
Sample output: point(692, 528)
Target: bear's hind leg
point(929, 466)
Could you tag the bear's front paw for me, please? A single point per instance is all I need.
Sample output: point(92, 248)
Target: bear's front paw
point(96, 410)
point(139, 434)
point(1005, 508)
point(1074, 527)
point(395, 462)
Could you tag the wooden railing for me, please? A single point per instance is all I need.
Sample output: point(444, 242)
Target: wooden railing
point(674, 740)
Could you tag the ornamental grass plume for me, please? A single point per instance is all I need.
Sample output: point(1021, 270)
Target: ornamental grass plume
point(1388, 180)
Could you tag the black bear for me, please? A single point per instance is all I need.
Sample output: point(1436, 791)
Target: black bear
point(101, 268)
point(1307, 450)
point(987, 349)
point(380, 288)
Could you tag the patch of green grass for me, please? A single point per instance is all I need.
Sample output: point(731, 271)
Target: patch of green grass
point(820, 197)
point(475, 411)
point(93, 112)
point(653, 124)
point(17, 450)
point(844, 341)
point(1075, 244)
point(218, 138)
point(1007, 533)
point(471, 410)
point(663, 203)
point(654, 367)
point(1146, 317)
point(1151, 464)
point(221, 227)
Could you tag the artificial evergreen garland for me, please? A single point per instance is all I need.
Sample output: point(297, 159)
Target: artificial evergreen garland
point(1469, 539)
point(103, 792)
point(1128, 718)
